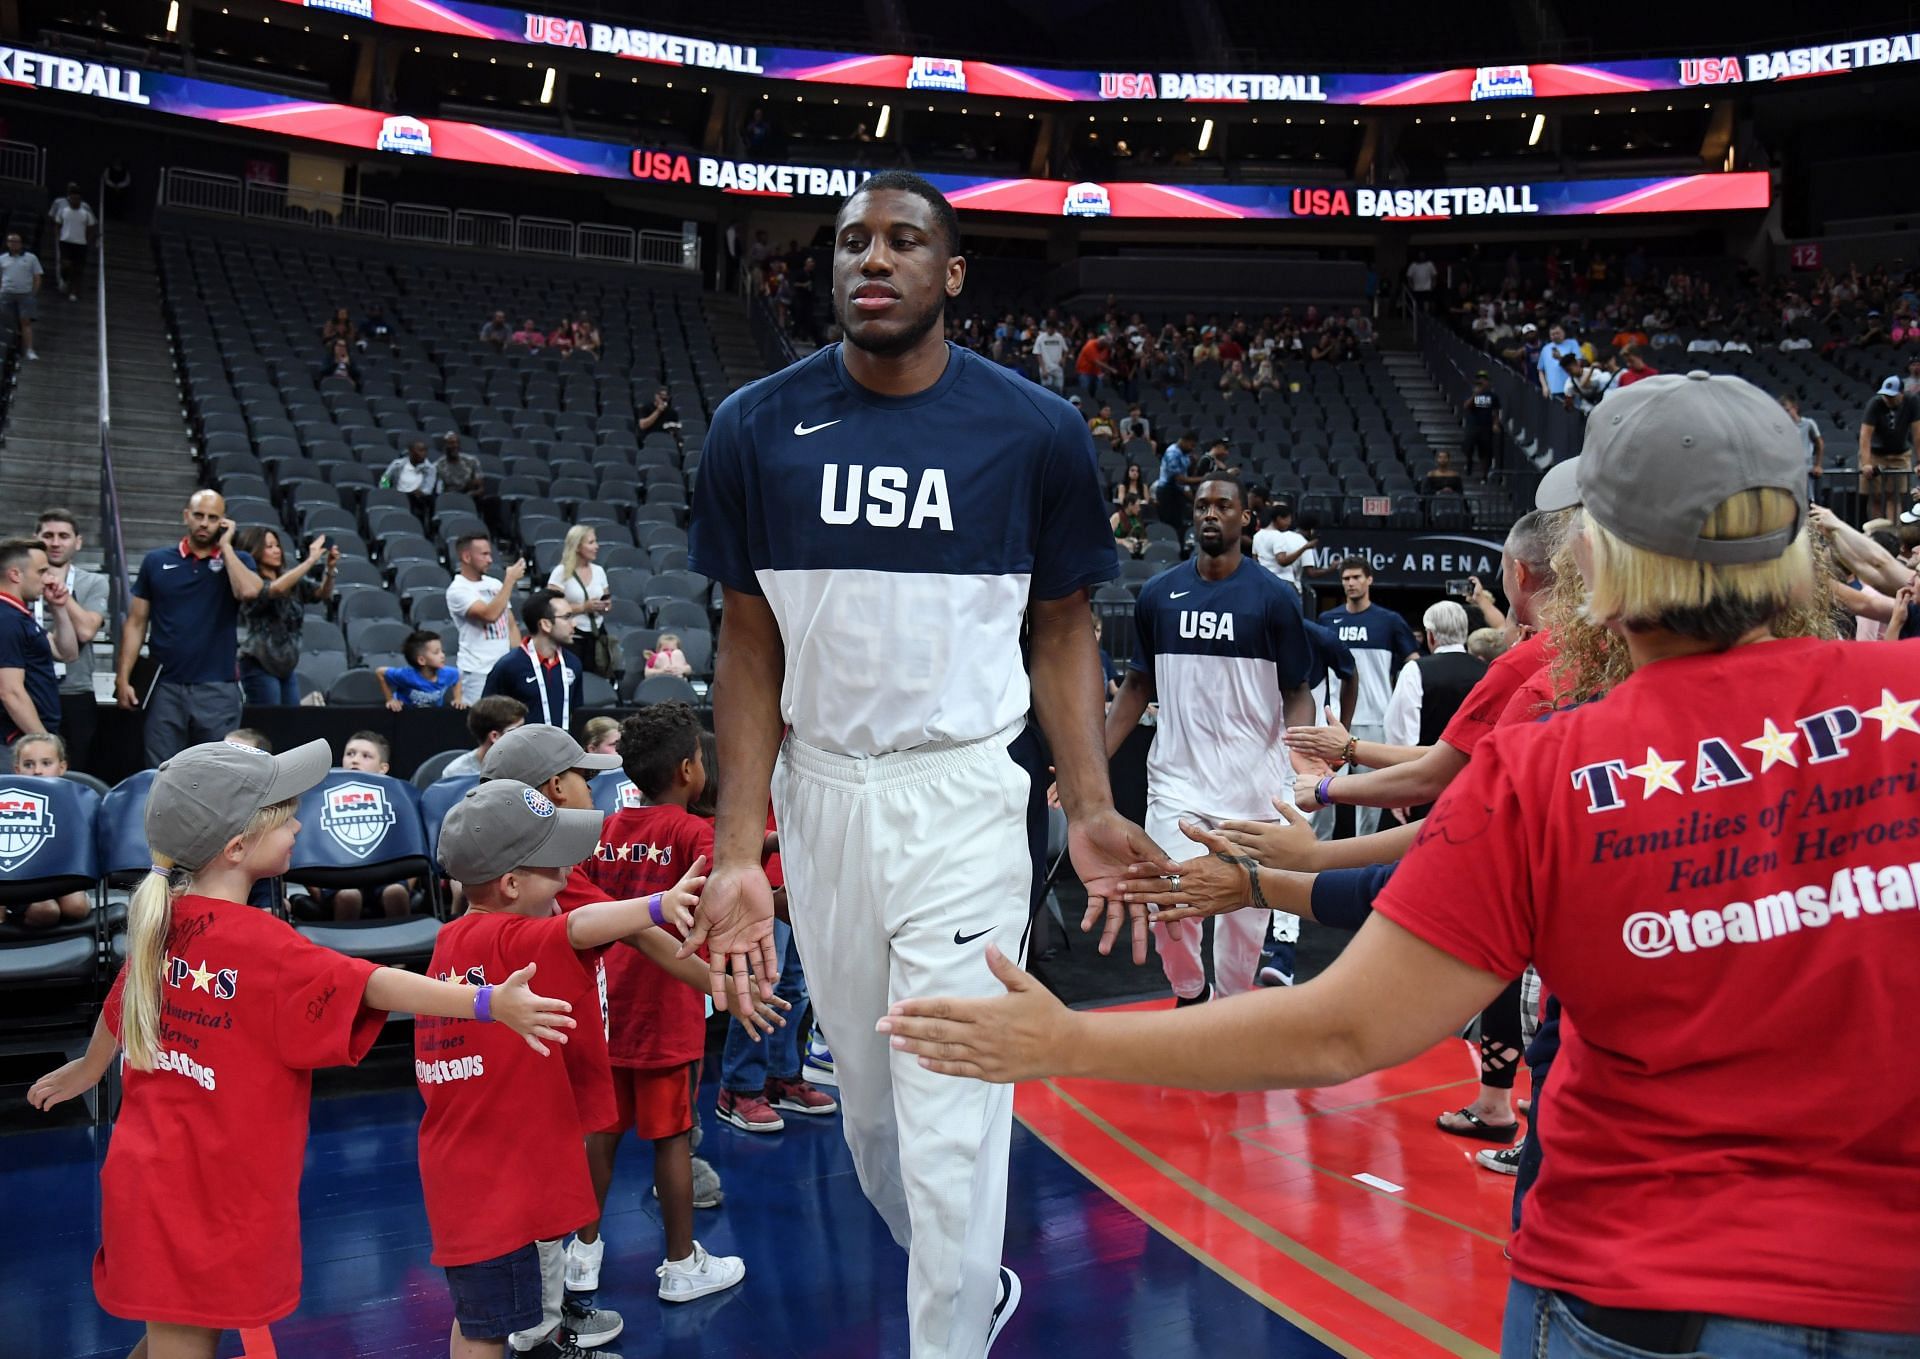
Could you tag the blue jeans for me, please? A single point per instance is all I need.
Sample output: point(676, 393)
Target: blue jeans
point(260, 687)
point(744, 1064)
point(1540, 1325)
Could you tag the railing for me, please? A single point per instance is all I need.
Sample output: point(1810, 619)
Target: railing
point(23, 163)
point(1452, 362)
point(112, 540)
point(415, 223)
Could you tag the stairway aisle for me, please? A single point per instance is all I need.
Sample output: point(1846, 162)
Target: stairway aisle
point(152, 456)
point(52, 451)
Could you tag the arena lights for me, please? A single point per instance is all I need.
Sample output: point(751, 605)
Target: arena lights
point(1461, 85)
point(885, 120)
point(1206, 134)
point(546, 86)
point(1539, 126)
point(173, 16)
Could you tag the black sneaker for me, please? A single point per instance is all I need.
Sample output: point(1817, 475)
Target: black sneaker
point(1505, 1161)
point(1181, 1002)
point(1003, 1307)
point(591, 1326)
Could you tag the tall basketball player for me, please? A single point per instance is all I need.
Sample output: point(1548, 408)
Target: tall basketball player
point(883, 515)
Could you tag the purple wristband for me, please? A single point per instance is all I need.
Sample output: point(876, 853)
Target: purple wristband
point(653, 909)
point(483, 1005)
point(1323, 791)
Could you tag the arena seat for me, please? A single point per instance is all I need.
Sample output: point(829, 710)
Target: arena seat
point(365, 831)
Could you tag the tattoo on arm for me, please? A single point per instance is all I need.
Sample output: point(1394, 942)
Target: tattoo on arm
point(1252, 867)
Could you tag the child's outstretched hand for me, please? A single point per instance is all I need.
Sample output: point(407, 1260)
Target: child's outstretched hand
point(677, 903)
point(538, 1019)
point(62, 1084)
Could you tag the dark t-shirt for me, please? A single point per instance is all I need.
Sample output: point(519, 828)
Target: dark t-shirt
point(193, 612)
point(24, 647)
point(1481, 408)
point(1891, 425)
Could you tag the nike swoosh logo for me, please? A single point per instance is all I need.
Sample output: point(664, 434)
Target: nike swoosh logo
point(802, 428)
point(1178, 594)
point(168, 566)
point(960, 938)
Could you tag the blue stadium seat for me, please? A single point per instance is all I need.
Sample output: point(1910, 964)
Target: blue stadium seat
point(365, 831)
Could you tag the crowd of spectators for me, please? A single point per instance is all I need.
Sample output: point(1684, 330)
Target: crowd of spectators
point(1235, 355)
point(576, 338)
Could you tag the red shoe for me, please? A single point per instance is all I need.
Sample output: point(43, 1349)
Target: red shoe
point(748, 1113)
point(797, 1097)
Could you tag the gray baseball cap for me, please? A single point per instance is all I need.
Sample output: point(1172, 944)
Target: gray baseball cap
point(1559, 489)
point(1661, 456)
point(502, 824)
point(535, 753)
point(206, 795)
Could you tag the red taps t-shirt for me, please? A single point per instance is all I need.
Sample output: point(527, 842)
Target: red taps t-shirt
point(200, 1194)
point(1485, 702)
point(1715, 869)
point(653, 1019)
point(503, 1160)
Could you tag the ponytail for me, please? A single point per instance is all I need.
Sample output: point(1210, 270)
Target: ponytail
point(149, 921)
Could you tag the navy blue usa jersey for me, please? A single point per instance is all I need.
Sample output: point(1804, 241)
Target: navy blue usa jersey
point(1221, 655)
point(898, 541)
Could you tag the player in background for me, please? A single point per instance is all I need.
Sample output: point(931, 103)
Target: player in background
point(1224, 649)
point(884, 517)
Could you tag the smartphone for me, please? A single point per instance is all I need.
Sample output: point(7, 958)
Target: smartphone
point(1463, 588)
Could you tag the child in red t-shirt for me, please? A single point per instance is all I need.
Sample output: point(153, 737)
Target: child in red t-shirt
point(224, 1012)
point(499, 1236)
point(656, 1026)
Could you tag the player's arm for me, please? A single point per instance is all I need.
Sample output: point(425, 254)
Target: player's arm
point(761, 1016)
point(1349, 697)
point(1136, 691)
point(735, 917)
point(1387, 997)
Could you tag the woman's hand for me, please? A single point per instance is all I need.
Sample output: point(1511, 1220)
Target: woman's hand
point(317, 548)
point(1328, 743)
point(1014, 1037)
point(538, 1019)
point(394, 705)
point(1288, 843)
point(62, 1084)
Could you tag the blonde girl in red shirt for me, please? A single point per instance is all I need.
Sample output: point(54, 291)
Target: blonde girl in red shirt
point(223, 1012)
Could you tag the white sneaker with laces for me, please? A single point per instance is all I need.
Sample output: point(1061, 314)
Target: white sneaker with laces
point(583, 1264)
point(698, 1275)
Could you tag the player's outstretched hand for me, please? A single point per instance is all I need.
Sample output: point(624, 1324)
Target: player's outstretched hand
point(1104, 847)
point(62, 1084)
point(1328, 743)
point(1288, 843)
point(1014, 1037)
point(763, 1017)
point(1213, 884)
point(735, 921)
point(538, 1019)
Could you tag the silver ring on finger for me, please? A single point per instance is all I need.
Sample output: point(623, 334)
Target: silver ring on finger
point(1175, 881)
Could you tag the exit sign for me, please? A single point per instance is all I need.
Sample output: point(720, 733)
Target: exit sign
point(1373, 505)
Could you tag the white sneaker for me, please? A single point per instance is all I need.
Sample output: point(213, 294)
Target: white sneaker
point(819, 1064)
point(583, 1264)
point(1003, 1308)
point(698, 1275)
point(32, 355)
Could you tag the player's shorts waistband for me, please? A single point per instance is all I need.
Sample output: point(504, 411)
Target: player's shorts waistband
point(896, 769)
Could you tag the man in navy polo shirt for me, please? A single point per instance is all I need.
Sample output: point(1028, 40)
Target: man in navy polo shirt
point(191, 594)
point(543, 673)
point(29, 690)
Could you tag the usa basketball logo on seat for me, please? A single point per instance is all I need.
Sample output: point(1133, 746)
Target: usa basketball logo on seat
point(26, 824)
point(357, 816)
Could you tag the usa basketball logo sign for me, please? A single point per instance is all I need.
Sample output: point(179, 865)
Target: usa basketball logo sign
point(26, 823)
point(357, 816)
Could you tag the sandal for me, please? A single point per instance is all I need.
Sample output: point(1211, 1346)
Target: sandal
point(1477, 1128)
